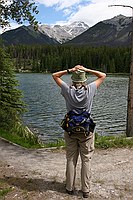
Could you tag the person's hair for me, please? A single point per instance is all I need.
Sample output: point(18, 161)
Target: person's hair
point(78, 85)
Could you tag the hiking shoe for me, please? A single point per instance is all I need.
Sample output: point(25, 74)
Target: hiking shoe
point(69, 192)
point(85, 194)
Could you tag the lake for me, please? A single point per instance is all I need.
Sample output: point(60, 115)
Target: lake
point(47, 107)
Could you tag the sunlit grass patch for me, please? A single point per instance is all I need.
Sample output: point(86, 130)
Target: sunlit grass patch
point(24, 141)
point(105, 142)
point(31, 141)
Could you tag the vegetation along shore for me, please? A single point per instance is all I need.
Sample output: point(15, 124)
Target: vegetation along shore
point(31, 141)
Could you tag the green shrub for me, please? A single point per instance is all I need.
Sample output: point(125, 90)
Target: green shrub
point(27, 139)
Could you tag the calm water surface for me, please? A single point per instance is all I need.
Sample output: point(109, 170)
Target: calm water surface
point(47, 107)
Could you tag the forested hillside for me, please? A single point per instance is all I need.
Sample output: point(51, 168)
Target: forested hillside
point(48, 58)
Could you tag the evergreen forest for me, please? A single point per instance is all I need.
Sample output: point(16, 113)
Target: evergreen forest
point(51, 58)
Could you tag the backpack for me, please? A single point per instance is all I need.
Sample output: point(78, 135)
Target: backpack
point(78, 121)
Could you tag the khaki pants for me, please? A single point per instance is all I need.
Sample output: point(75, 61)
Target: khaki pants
point(78, 144)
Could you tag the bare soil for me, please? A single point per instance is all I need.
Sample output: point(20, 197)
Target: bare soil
point(40, 174)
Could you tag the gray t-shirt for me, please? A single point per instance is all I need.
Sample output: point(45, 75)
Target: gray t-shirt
point(78, 98)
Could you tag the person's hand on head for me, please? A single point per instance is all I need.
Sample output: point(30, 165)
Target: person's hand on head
point(82, 68)
point(77, 67)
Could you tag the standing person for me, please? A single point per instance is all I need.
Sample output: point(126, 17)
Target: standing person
point(78, 96)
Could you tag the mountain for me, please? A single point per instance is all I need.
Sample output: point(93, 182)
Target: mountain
point(64, 33)
point(45, 35)
point(26, 35)
point(111, 32)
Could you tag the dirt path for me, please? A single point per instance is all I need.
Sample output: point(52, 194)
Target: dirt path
point(40, 174)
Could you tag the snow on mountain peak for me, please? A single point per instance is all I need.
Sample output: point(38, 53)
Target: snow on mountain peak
point(65, 32)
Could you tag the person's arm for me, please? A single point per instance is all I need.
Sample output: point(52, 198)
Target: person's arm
point(101, 76)
point(57, 75)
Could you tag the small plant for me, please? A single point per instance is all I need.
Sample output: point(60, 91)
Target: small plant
point(3, 192)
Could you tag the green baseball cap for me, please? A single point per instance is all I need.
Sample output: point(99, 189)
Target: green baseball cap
point(79, 76)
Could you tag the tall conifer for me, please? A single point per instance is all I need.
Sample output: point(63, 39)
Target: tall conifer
point(11, 105)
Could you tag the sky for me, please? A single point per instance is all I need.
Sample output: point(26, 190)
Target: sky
point(62, 12)
point(90, 12)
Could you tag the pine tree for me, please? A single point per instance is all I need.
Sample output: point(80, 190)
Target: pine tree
point(11, 106)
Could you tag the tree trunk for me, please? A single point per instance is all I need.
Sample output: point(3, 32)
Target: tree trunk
point(129, 128)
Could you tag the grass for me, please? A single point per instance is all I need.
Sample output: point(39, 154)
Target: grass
point(101, 142)
point(3, 192)
point(105, 142)
point(4, 189)
point(27, 142)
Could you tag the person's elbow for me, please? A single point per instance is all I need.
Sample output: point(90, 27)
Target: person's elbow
point(54, 76)
point(100, 80)
point(103, 76)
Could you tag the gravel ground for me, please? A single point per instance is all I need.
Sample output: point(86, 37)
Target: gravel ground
point(40, 174)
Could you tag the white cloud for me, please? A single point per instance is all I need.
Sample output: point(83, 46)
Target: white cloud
point(89, 11)
point(59, 4)
point(48, 3)
point(99, 10)
point(12, 26)
point(95, 11)
point(67, 3)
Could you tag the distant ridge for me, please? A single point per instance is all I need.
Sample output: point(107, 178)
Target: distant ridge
point(26, 35)
point(45, 35)
point(111, 32)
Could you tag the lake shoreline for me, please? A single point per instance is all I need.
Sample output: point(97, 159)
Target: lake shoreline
point(28, 71)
